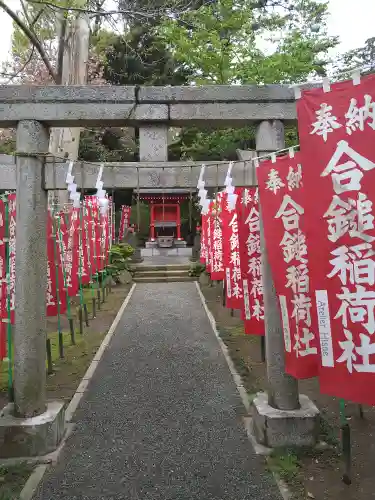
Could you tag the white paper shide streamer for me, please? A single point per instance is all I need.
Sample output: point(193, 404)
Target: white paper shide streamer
point(101, 193)
point(229, 189)
point(74, 196)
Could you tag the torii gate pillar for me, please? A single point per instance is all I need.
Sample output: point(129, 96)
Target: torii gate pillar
point(283, 417)
point(31, 426)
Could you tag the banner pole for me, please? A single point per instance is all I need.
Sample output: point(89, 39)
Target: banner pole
point(59, 330)
point(80, 245)
point(68, 302)
point(345, 443)
point(9, 324)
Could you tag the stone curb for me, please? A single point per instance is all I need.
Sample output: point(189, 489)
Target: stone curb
point(37, 475)
point(248, 421)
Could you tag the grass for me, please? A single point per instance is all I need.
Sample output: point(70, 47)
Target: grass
point(285, 464)
point(54, 337)
point(81, 346)
point(12, 480)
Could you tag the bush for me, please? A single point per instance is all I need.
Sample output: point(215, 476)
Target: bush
point(119, 259)
point(196, 269)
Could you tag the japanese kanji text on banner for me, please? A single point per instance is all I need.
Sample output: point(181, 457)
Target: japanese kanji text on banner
point(337, 134)
point(249, 244)
point(282, 204)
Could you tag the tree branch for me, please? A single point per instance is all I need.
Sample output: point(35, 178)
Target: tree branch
point(16, 73)
point(32, 37)
point(128, 12)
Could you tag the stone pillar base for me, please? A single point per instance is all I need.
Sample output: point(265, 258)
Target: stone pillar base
point(151, 244)
point(180, 243)
point(280, 428)
point(31, 437)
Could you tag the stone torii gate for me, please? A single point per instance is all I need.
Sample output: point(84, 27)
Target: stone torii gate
point(32, 110)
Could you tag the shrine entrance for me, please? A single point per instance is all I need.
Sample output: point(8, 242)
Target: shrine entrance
point(165, 217)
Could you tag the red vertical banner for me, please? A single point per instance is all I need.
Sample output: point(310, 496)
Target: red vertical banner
point(250, 259)
point(231, 253)
point(105, 239)
point(217, 265)
point(86, 242)
point(71, 256)
point(83, 264)
point(55, 280)
point(125, 221)
point(12, 255)
point(91, 205)
point(112, 219)
point(203, 251)
point(337, 132)
point(121, 232)
point(282, 197)
point(208, 240)
point(3, 282)
point(98, 234)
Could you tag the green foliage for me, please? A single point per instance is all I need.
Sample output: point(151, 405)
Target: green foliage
point(361, 57)
point(140, 58)
point(196, 269)
point(119, 257)
point(212, 40)
point(199, 144)
point(144, 220)
point(285, 464)
point(7, 145)
point(230, 30)
point(230, 33)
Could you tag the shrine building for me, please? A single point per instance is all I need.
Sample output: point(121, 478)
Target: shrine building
point(165, 216)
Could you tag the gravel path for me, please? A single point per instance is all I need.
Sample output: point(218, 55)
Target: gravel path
point(161, 419)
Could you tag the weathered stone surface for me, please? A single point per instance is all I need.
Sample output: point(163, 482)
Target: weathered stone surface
point(31, 264)
point(75, 106)
point(283, 388)
point(132, 239)
point(217, 93)
point(66, 93)
point(268, 134)
point(126, 277)
point(204, 279)
point(196, 247)
point(232, 114)
point(81, 114)
point(153, 143)
point(281, 428)
point(125, 175)
point(30, 437)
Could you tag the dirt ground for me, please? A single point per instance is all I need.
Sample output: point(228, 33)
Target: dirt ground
point(309, 473)
point(67, 372)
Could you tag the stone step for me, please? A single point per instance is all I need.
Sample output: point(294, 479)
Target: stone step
point(160, 267)
point(163, 279)
point(160, 272)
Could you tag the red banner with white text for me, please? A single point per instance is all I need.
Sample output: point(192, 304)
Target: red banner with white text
point(209, 240)
point(55, 294)
point(125, 221)
point(337, 133)
point(217, 267)
point(203, 251)
point(249, 240)
point(12, 255)
point(282, 199)
point(3, 282)
point(231, 252)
